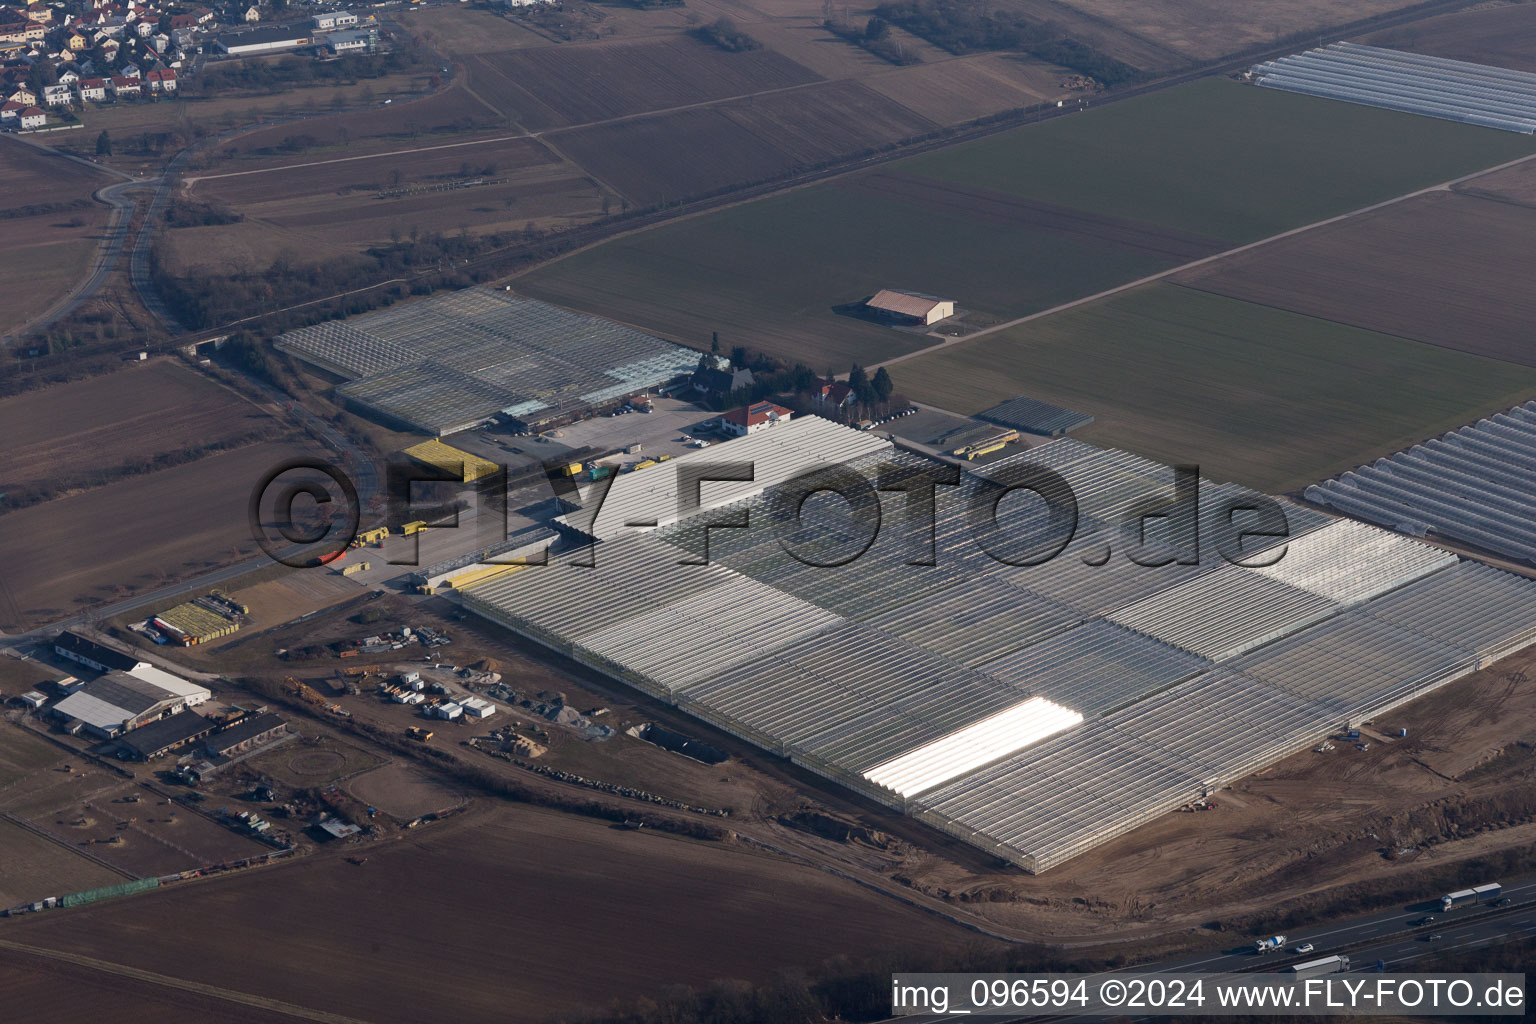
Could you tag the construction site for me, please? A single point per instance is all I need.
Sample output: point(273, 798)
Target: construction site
point(1035, 711)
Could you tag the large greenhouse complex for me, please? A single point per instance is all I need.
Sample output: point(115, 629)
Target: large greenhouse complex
point(460, 359)
point(1476, 485)
point(1452, 90)
point(1033, 710)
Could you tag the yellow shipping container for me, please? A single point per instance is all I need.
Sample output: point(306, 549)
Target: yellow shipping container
point(452, 460)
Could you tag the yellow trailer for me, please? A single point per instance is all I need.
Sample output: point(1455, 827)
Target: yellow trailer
point(367, 537)
point(355, 568)
point(643, 465)
point(419, 526)
point(572, 469)
point(988, 450)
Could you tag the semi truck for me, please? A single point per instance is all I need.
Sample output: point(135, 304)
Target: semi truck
point(1270, 944)
point(1326, 965)
point(1477, 894)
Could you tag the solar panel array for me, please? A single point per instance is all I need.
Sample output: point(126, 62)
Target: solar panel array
point(1453, 90)
point(1033, 710)
point(453, 361)
point(1476, 485)
point(1035, 416)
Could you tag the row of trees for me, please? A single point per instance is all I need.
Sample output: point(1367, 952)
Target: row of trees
point(724, 33)
point(961, 26)
point(278, 76)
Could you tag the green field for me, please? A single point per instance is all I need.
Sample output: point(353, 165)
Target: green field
point(1223, 159)
point(768, 274)
point(1214, 159)
point(1261, 396)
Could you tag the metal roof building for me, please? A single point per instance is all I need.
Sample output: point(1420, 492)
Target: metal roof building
point(1476, 485)
point(1453, 90)
point(458, 359)
point(1035, 711)
point(1037, 417)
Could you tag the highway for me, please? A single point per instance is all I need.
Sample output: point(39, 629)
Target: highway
point(1388, 938)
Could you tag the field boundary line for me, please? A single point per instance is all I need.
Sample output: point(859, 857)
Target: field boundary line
point(166, 981)
point(43, 833)
point(1444, 186)
point(192, 182)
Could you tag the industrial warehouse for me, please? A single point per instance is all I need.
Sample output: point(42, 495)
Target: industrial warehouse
point(1433, 86)
point(461, 359)
point(1035, 711)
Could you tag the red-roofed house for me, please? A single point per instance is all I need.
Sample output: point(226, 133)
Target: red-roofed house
point(749, 419)
point(10, 110)
point(93, 89)
point(122, 86)
point(32, 117)
point(161, 80)
point(834, 393)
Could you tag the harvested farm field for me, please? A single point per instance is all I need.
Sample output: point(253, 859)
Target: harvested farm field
point(60, 990)
point(51, 227)
point(1223, 160)
point(549, 893)
point(404, 124)
point(1441, 268)
point(1104, 34)
point(956, 90)
point(1261, 396)
point(694, 152)
point(21, 752)
point(498, 184)
point(560, 86)
point(132, 415)
point(139, 533)
point(1503, 35)
point(34, 867)
point(1207, 29)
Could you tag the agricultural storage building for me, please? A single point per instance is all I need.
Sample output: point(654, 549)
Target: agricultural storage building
point(452, 461)
point(1453, 90)
point(251, 731)
point(94, 655)
point(193, 623)
point(119, 702)
point(910, 307)
point(1024, 413)
point(165, 736)
point(457, 360)
point(1034, 706)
